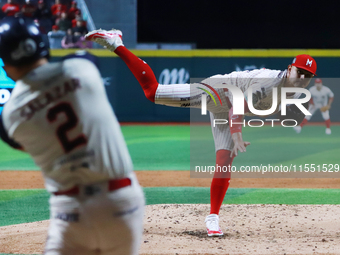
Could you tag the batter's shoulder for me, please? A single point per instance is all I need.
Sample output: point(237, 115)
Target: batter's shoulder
point(78, 63)
point(80, 67)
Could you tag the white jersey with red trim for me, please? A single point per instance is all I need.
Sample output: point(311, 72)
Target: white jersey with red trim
point(320, 97)
point(59, 113)
point(262, 82)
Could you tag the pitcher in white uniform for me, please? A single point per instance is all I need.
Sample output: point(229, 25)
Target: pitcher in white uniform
point(322, 99)
point(59, 114)
point(228, 139)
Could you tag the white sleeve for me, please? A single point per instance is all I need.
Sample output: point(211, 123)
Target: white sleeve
point(330, 93)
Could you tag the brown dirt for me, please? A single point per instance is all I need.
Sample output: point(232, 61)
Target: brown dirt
point(34, 180)
point(180, 229)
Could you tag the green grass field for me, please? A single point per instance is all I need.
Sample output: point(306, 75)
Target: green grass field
point(151, 148)
point(273, 146)
point(176, 147)
point(171, 148)
point(179, 147)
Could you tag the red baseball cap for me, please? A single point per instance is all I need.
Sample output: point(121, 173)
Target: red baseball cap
point(318, 80)
point(305, 62)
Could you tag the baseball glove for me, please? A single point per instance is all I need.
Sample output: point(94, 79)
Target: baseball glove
point(324, 108)
point(292, 112)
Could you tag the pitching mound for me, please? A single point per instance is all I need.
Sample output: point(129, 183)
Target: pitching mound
point(180, 229)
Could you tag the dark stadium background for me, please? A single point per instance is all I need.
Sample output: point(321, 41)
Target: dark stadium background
point(213, 24)
point(225, 24)
point(241, 24)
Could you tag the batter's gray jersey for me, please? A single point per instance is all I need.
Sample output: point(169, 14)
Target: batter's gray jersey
point(261, 81)
point(60, 114)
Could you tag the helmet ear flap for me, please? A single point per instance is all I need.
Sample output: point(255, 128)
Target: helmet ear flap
point(21, 42)
point(26, 48)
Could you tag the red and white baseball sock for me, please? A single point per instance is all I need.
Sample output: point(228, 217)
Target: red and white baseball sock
point(328, 123)
point(220, 182)
point(141, 70)
point(304, 122)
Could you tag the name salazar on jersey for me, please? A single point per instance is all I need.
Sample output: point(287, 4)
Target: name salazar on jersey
point(48, 97)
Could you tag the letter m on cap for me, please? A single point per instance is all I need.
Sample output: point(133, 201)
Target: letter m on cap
point(309, 62)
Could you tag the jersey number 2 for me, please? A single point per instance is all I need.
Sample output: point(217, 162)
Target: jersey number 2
point(71, 122)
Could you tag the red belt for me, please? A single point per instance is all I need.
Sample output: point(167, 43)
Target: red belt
point(112, 185)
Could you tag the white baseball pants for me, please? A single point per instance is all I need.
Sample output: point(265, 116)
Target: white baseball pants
point(104, 223)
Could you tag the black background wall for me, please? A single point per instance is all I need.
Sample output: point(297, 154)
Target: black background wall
point(241, 24)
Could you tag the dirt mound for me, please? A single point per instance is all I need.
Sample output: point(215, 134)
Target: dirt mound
point(249, 229)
